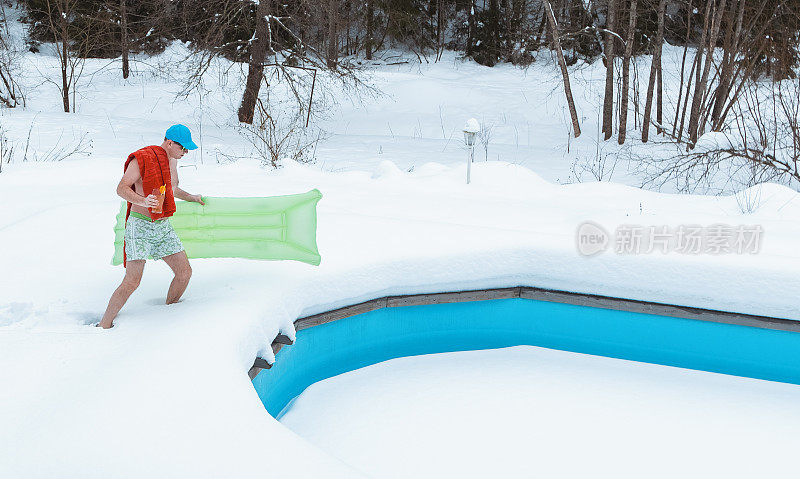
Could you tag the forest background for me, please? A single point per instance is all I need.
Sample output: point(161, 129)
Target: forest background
point(738, 82)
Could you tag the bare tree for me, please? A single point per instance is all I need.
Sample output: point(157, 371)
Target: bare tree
point(277, 132)
point(740, 65)
point(659, 100)
point(369, 41)
point(576, 127)
point(440, 27)
point(210, 38)
point(676, 132)
point(608, 101)
point(700, 85)
point(10, 55)
point(655, 67)
point(763, 145)
point(6, 149)
point(275, 43)
point(332, 51)
point(626, 64)
point(72, 42)
point(124, 42)
point(484, 137)
point(260, 46)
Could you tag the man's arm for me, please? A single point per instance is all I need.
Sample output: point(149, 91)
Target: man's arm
point(125, 188)
point(179, 193)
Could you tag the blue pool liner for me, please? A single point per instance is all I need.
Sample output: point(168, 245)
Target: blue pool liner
point(339, 346)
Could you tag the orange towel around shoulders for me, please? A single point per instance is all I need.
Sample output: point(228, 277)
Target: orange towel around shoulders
point(154, 168)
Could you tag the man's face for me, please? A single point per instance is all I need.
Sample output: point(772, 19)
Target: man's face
point(175, 150)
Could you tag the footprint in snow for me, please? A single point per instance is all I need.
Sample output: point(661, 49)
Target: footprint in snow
point(88, 318)
point(11, 313)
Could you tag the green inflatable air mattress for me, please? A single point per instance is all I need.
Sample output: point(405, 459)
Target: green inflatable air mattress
point(269, 228)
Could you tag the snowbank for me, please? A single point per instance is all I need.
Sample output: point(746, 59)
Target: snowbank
point(166, 392)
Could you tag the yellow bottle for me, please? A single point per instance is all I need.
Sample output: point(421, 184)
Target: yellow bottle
point(159, 192)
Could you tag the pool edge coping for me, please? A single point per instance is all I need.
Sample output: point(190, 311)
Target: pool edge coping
point(528, 292)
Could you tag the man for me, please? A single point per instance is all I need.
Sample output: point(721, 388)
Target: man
point(148, 232)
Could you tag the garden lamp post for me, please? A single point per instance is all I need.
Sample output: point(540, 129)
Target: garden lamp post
point(471, 130)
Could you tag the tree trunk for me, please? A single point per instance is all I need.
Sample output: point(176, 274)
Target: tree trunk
point(699, 91)
point(608, 101)
point(723, 68)
point(683, 69)
point(746, 67)
point(494, 35)
point(732, 43)
point(347, 31)
point(626, 66)
point(540, 32)
point(333, 34)
point(659, 99)
point(255, 70)
point(439, 29)
point(508, 28)
point(64, 63)
point(656, 65)
point(123, 13)
point(712, 43)
point(697, 68)
point(470, 29)
point(686, 101)
point(368, 44)
point(564, 75)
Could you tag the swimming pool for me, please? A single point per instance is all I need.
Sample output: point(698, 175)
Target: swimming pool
point(762, 348)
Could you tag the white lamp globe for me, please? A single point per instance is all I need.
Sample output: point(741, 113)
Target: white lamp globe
point(471, 129)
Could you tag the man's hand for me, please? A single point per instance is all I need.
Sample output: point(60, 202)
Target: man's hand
point(197, 199)
point(151, 201)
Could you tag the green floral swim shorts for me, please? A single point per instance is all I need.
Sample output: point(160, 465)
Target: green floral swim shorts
point(146, 239)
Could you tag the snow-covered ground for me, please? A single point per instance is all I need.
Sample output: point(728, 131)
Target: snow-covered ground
point(534, 412)
point(166, 390)
point(165, 393)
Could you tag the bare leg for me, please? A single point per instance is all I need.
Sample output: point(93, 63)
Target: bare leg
point(179, 263)
point(133, 275)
